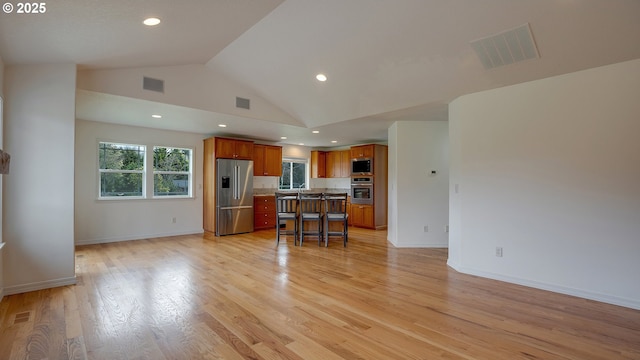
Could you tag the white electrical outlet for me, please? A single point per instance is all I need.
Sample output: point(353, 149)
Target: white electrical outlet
point(426, 228)
point(499, 251)
point(173, 220)
point(446, 228)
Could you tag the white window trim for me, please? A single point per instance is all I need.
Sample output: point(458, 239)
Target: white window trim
point(101, 171)
point(189, 173)
point(307, 171)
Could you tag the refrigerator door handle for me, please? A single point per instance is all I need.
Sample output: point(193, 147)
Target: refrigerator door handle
point(235, 207)
point(237, 182)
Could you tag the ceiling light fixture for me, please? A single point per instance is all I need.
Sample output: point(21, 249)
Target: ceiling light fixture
point(156, 116)
point(334, 141)
point(222, 125)
point(151, 21)
point(301, 144)
point(316, 132)
point(283, 137)
point(321, 77)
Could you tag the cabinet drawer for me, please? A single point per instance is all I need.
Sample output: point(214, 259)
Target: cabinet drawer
point(264, 221)
point(264, 208)
point(264, 215)
point(264, 200)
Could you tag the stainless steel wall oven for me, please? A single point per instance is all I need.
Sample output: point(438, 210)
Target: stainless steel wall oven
point(362, 190)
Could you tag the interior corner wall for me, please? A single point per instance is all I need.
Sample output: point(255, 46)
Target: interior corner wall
point(418, 199)
point(38, 193)
point(392, 184)
point(1, 176)
point(1, 76)
point(102, 221)
point(548, 171)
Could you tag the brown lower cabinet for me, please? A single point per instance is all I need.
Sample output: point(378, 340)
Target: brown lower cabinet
point(362, 216)
point(264, 212)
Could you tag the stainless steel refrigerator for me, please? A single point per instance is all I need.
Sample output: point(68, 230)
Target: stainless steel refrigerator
point(234, 196)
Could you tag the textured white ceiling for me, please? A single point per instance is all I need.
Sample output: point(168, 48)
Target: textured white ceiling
point(386, 60)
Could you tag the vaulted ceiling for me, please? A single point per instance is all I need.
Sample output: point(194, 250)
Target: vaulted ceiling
point(386, 60)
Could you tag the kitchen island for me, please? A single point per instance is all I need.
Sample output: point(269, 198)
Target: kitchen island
point(264, 205)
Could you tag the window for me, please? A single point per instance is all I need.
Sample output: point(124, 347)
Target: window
point(171, 171)
point(294, 174)
point(122, 170)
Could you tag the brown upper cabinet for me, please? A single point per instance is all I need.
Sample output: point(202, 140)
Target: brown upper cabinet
point(318, 164)
point(234, 149)
point(337, 164)
point(362, 151)
point(332, 164)
point(267, 160)
point(345, 156)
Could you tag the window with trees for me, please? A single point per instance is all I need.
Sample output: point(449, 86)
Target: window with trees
point(122, 170)
point(171, 171)
point(294, 174)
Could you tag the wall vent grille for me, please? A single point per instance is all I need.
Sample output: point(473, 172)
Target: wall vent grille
point(243, 103)
point(506, 48)
point(153, 84)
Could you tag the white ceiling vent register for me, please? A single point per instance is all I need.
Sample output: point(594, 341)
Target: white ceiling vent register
point(153, 84)
point(506, 47)
point(243, 103)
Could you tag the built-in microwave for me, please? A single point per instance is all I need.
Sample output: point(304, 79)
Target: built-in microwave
point(361, 190)
point(361, 166)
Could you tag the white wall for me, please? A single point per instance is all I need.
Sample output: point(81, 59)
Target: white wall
point(392, 179)
point(1, 176)
point(1, 76)
point(99, 221)
point(195, 86)
point(549, 171)
point(418, 198)
point(38, 193)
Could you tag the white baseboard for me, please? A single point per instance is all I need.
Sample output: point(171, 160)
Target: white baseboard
point(18, 289)
point(135, 237)
point(609, 299)
point(421, 245)
point(1, 280)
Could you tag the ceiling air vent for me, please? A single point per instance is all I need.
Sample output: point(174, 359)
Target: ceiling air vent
point(242, 103)
point(153, 84)
point(506, 48)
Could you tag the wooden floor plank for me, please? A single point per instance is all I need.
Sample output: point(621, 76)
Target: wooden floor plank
point(240, 297)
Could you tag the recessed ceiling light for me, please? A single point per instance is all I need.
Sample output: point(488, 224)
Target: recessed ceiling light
point(151, 21)
point(321, 77)
point(334, 141)
point(156, 116)
point(301, 144)
point(316, 132)
point(283, 137)
point(222, 125)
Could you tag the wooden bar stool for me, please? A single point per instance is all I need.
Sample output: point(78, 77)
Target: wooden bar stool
point(335, 210)
point(286, 210)
point(311, 210)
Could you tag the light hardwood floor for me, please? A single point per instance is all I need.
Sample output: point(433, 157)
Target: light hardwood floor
point(238, 297)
